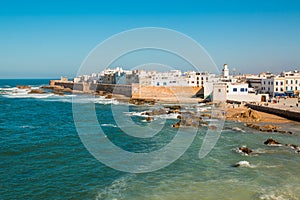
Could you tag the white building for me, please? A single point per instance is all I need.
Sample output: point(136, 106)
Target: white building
point(172, 78)
point(292, 81)
point(197, 79)
point(286, 82)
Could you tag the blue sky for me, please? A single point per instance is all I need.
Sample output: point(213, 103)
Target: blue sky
point(50, 38)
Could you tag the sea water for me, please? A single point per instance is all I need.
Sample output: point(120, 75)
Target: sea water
point(42, 156)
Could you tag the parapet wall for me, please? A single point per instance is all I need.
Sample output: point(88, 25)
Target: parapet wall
point(280, 112)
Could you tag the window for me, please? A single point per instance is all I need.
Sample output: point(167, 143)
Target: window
point(197, 78)
point(164, 83)
point(206, 78)
point(291, 87)
point(287, 88)
point(276, 82)
point(234, 89)
point(276, 89)
point(246, 90)
point(268, 89)
point(157, 83)
point(287, 82)
point(296, 88)
point(291, 81)
point(264, 82)
point(281, 83)
point(296, 81)
point(242, 90)
point(201, 78)
point(219, 90)
point(272, 83)
point(281, 89)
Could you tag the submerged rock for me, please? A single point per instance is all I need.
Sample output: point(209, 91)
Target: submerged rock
point(212, 127)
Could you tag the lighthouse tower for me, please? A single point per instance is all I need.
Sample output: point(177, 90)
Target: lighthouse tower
point(225, 71)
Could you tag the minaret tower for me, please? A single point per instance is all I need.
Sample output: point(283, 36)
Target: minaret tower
point(225, 71)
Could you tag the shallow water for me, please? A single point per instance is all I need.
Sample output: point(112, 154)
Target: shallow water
point(42, 157)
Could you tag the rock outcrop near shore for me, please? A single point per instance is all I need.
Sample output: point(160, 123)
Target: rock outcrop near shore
point(271, 142)
point(267, 128)
point(36, 91)
point(249, 115)
point(245, 150)
point(23, 87)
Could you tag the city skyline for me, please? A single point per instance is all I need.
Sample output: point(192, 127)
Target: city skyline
point(51, 38)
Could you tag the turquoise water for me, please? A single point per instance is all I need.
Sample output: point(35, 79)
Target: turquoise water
point(42, 157)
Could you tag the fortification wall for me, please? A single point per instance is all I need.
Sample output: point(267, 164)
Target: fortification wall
point(280, 112)
point(157, 92)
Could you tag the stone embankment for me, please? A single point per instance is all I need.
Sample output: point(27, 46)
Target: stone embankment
point(282, 112)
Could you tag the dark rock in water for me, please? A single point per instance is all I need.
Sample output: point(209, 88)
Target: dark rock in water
point(282, 131)
point(271, 141)
point(149, 119)
point(176, 125)
point(108, 96)
point(23, 87)
point(174, 107)
point(245, 150)
point(142, 101)
point(206, 115)
point(160, 111)
point(254, 126)
point(269, 128)
point(293, 146)
point(58, 93)
point(38, 91)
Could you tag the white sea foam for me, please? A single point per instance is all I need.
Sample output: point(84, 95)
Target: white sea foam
point(109, 125)
point(238, 129)
point(244, 163)
point(274, 145)
point(116, 189)
point(286, 192)
point(26, 95)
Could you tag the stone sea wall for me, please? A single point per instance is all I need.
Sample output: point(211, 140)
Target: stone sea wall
point(89, 87)
point(280, 112)
point(154, 92)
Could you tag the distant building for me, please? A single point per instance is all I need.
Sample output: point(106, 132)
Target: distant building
point(285, 83)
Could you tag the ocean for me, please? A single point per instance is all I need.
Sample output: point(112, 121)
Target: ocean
point(42, 156)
